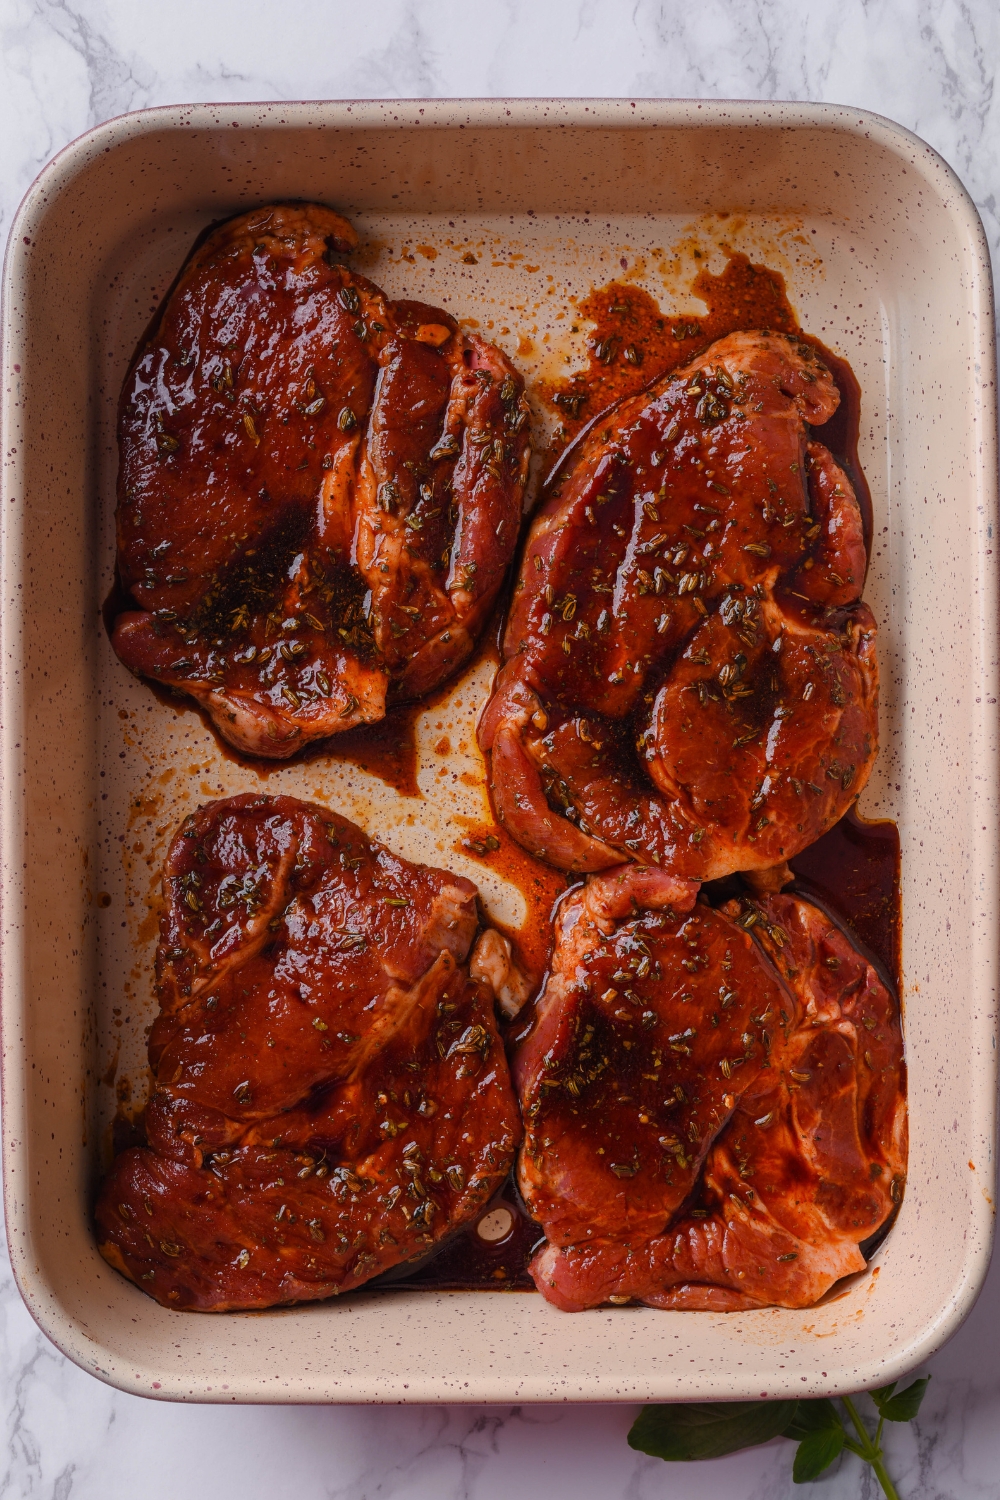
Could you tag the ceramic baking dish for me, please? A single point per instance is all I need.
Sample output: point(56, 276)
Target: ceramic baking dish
point(886, 261)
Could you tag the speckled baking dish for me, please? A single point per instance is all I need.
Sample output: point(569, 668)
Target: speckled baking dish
point(885, 259)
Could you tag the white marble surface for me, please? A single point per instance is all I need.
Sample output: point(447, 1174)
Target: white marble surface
point(65, 65)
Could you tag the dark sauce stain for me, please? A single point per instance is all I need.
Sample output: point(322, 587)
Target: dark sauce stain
point(469, 1262)
point(128, 1128)
point(387, 749)
point(854, 870)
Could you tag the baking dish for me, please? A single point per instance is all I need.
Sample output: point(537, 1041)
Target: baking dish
point(886, 261)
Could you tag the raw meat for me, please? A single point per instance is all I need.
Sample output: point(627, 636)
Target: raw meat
point(690, 677)
point(319, 488)
point(714, 1101)
point(331, 1094)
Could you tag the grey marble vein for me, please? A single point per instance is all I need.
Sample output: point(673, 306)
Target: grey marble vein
point(66, 66)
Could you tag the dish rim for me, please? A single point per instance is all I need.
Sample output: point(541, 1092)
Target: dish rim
point(498, 113)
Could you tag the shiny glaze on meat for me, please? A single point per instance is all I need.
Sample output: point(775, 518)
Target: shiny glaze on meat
point(800, 1122)
point(319, 488)
point(620, 1080)
point(854, 869)
point(690, 678)
point(331, 1094)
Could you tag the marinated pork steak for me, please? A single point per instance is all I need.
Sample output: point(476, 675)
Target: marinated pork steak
point(319, 489)
point(690, 677)
point(622, 1036)
point(331, 1094)
point(714, 1101)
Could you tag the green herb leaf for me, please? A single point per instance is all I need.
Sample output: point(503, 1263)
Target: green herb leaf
point(711, 1429)
point(708, 1429)
point(904, 1405)
point(817, 1452)
point(812, 1417)
point(818, 1425)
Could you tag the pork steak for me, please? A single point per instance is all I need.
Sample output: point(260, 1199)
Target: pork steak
point(714, 1100)
point(689, 675)
point(331, 1095)
point(319, 488)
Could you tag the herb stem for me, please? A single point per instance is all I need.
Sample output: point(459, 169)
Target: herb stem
point(872, 1450)
point(859, 1426)
point(883, 1478)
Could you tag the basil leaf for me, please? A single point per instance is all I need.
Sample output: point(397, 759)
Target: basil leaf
point(708, 1429)
point(816, 1453)
point(812, 1417)
point(903, 1407)
point(881, 1396)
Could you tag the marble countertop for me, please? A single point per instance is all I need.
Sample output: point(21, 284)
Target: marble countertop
point(66, 65)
